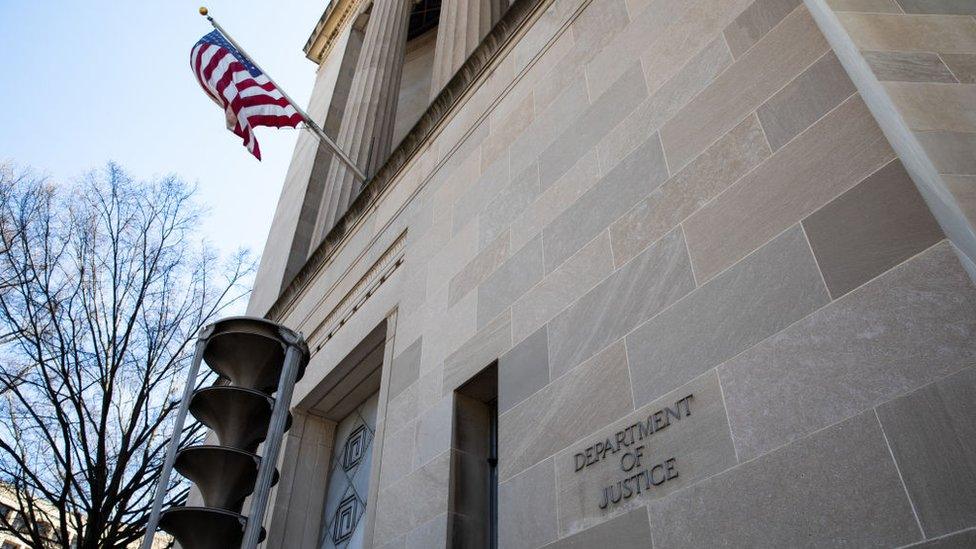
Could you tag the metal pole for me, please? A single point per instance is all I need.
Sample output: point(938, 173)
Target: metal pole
point(174, 443)
point(308, 119)
point(272, 444)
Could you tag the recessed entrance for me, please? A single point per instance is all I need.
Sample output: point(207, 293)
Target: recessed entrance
point(324, 498)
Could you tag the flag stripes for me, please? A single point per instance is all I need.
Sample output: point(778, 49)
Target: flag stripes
point(249, 99)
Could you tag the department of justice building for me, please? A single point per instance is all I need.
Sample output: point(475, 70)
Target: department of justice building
point(632, 274)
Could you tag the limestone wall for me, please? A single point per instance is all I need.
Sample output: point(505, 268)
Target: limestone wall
point(914, 62)
point(647, 200)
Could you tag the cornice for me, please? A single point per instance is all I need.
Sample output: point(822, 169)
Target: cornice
point(335, 17)
point(480, 60)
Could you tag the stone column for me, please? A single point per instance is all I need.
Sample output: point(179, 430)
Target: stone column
point(366, 132)
point(461, 27)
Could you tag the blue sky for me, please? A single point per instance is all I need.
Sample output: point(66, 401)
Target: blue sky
point(85, 82)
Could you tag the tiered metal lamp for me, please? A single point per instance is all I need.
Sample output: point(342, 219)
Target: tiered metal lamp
point(258, 362)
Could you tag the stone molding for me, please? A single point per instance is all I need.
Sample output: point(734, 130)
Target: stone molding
point(354, 299)
point(477, 64)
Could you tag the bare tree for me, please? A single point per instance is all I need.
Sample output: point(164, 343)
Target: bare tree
point(103, 288)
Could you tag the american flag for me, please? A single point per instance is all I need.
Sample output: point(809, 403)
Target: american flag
point(248, 97)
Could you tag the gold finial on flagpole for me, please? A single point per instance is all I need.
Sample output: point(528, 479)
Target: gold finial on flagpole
point(203, 11)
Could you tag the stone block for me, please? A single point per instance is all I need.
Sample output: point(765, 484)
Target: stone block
point(449, 260)
point(604, 65)
point(413, 296)
point(393, 519)
point(934, 106)
point(695, 24)
point(429, 535)
point(721, 165)
point(958, 7)
point(454, 177)
point(502, 210)
point(427, 491)
point(426, 245)
point(549, 122)
point(406, 406)
point(503, 131)
point(483, 264)
point(951, 152)
point(812, 94)
point(759, 296)
point(543, 46)
point(513, 278)
point(774, 61)
point(478, 352)
point(402, 409)
point(823, 491)
point(493, 179)
point(829, 158)
point(663, 103)
point(962, 65)
point(597, 25)
point(444, 333)
point(434, 431)
point(632, 179)
point(527, 508)
point(908, 66)
point(869, 6)
point(563, 286)
point(963, 189)
point(933, 438)
point(592, 395)
point(960, 540)
point(891, 32)
point(523, 370)
point(630, 531)
point(700, 443)
point(398, 453)
point(757, 20)
point(909, 327)
point(461, 138)
point(405, 368)
point(871, 228)
point(634, 293)
point(398, 542)
point(646, 25)
point(556, 199)
point(590, 127)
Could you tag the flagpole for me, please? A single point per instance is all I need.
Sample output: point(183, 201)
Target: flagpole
point(308, 120)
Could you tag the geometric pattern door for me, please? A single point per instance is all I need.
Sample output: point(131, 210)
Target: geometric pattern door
point(348, 486)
